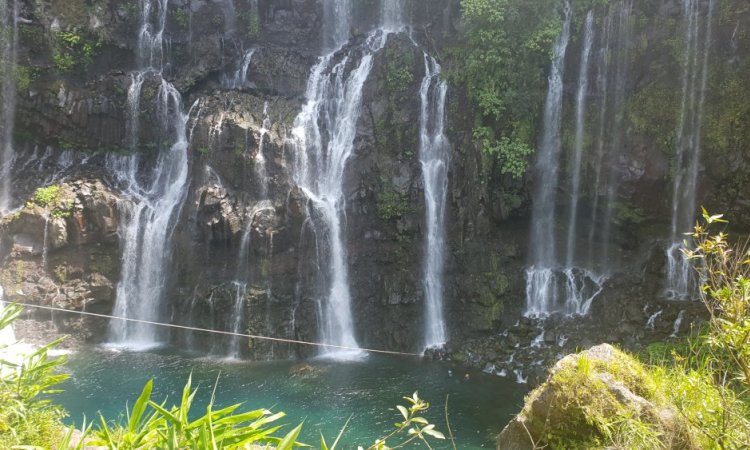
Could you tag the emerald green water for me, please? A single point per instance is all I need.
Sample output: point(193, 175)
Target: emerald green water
point(104, 382)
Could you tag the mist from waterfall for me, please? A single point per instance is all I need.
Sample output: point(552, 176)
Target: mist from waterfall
point(680, 282)
point(392, 15)
point(153, 205)
point(434, 156)
point(8, 59)
point(541, 291)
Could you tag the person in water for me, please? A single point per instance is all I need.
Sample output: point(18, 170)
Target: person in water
point(467, 377)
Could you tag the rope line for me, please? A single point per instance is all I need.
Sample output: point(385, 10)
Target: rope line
point(226, 333)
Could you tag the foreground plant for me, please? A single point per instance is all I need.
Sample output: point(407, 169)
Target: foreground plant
point(724, 271)
point(27, 416)
point(152, 425)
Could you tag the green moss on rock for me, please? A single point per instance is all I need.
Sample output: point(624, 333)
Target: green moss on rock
point(600, 398)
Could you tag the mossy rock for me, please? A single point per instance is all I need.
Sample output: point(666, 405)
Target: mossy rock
point(599, 398)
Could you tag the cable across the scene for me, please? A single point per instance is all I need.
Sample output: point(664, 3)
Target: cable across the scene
point(227, 333)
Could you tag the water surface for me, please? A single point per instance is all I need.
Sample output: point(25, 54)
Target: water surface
point(368, 390)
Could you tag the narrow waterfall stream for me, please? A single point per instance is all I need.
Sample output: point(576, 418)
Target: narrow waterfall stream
point(236, 320)
point(576, 161)
point(434, 155)
point(239, 78)
point(8, 57)
point(541, 291)
point(697, 45)
point(150, 215)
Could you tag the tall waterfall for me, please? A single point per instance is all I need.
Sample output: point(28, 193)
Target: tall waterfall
point(697, 45)
point(541, 290)
point(8, 57)
point(612, 74)
point(576, 161)
point(434, 155)
point(149, 217)
point(323, 139)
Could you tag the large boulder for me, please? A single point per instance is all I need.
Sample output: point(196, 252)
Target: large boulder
point(589, 400)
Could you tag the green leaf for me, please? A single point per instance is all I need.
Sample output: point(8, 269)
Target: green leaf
point(403, 411)
point(140, 407)
point(290, 440)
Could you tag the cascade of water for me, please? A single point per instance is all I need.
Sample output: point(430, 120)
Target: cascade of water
point(323, 139)
point(541, 292)
point(680, 282)
point(677, 323)
point(147, 223)
point(260, 157)
point(149, 217)
point(239, 79)
point(392, 15)
point(581, 103)
point(8, 58)
point(434, 155)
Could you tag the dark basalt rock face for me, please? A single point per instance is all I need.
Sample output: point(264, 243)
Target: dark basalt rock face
point(83, 109)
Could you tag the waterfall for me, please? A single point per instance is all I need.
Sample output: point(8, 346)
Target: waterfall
point(239, 78)
point(8, 58)
point(260, 158)
point(434, 156)
point(680, 283)
point(149, 216)
point(541, 291)
point(392, 15)
point(612, 75)
point(337, 23)
point(576, 163)
point(237, 318)
point(323, 140)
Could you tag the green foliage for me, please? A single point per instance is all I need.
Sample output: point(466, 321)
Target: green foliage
point(505, 58)
point(71, 49)
point(725, 273)
point(511, 154)
point(27, 417)
point(153, 425)
point(51, 198)
point(181, 17)
point(416, 427)
point(203, 151)
point(653, 112)
point(250, 22)
point(23, 78)
point(393, 205)
point(399, 69)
